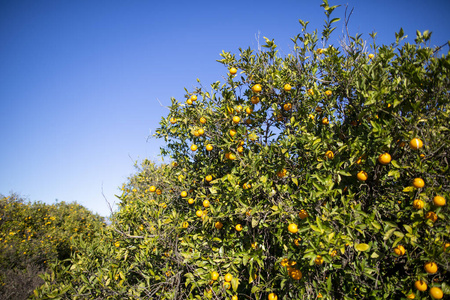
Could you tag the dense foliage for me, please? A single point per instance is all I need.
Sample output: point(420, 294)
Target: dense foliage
point(320, 174)
point(35, 234)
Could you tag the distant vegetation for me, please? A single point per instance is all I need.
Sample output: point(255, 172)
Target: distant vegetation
point(33, 235)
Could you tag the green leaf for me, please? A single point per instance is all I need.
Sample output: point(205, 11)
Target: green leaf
point(362, 247)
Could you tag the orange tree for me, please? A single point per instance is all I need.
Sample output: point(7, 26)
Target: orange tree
point(323, 173)
point(33, 235)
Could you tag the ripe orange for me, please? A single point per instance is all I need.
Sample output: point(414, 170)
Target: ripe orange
point(203, 120)
point(218, 225)
point(240, 149)
point(287, 106)
point(329, 154)
point(319, 260)
point(272, 296)
point(194, 147)
point(214, 275)
point(287, 87)
point(416, 144)
point(206, 203)
point(421, 285)
point(208, 178)
point(431, 215)
point(311, 92)
point(371, 56)
point(255, 100)
point(209, 147)
point(303, 214)
point(296, 274)
point(418, 183)
point(439, 200)
point(199, 213)
point(418, 204)
point(436, 293)
point(185, 224)
point(191, 201)
point(256, 88)
point(152, 188)
point(232, 156)
point(238, 227)
point(158, 191)
point(173, 120)
point(117, 244)
point(325, 121)
point(189, 101)
point(328, 93)
point(248, 110)
point(228, 277)
point(236, 119)
point(238, 108)
point(411, 296)
point(226, 285)
point(233, 71)
point(293, 228)
point(362, 176)
point(194, 97)
point(201, 131)
point(183, 194)
point(431, 267)
point(400, 250)
point(232, 132)
point(234, 297)
point(384, 158)
point(281, 173)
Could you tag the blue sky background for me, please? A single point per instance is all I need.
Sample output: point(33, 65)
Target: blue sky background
point(79, 80)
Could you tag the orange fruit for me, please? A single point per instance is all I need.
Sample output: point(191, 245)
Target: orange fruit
point(416, 144)
point(272, 296)
point(329, 154)
point(152, 188)
point(281, 173)
point(183, 194)
point(158, 191)
point(436, 293)
point(232, 156)
point(325, 121)
point(214, 275)
point(400, 250)
point(255, 100)
point(431, 215)
point(173, 120)
point(232, 132)
point(287, 87)
point(248, 110)
point(371, 56)
point(201, 131)
point(194, 97)
point(421, 285)
point(209, 147)
point(194, 147)
point(203, 120)
point(189, 101)
point(228, 277)
point(233, 71)
point(311, 92)
point(319, 260)
point(208, 178)
point(287, 106)
point(191, 201)
point(256, 88)
point(411, 296)
point(238, 108)
point(303, 214)
point(236, 119)
point(431, 267)
point(418, 183)
point(418, 204)
point(185, 224)
point(362, 176)
point(238, 227)
point(384, 158)
point(226, 285)
point(199, 213)
point(206, 203)
point(240, 149)
point(218, 225)
point(234, 297)
point(293, 228)
point(296, 274)
point(328, 93)
point(439, 200)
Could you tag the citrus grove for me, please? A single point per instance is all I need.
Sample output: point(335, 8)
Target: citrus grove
point(320, 174)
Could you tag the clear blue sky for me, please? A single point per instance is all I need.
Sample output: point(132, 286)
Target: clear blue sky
point(79, 80)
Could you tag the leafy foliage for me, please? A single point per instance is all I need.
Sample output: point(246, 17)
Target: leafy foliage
point(285, 187)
